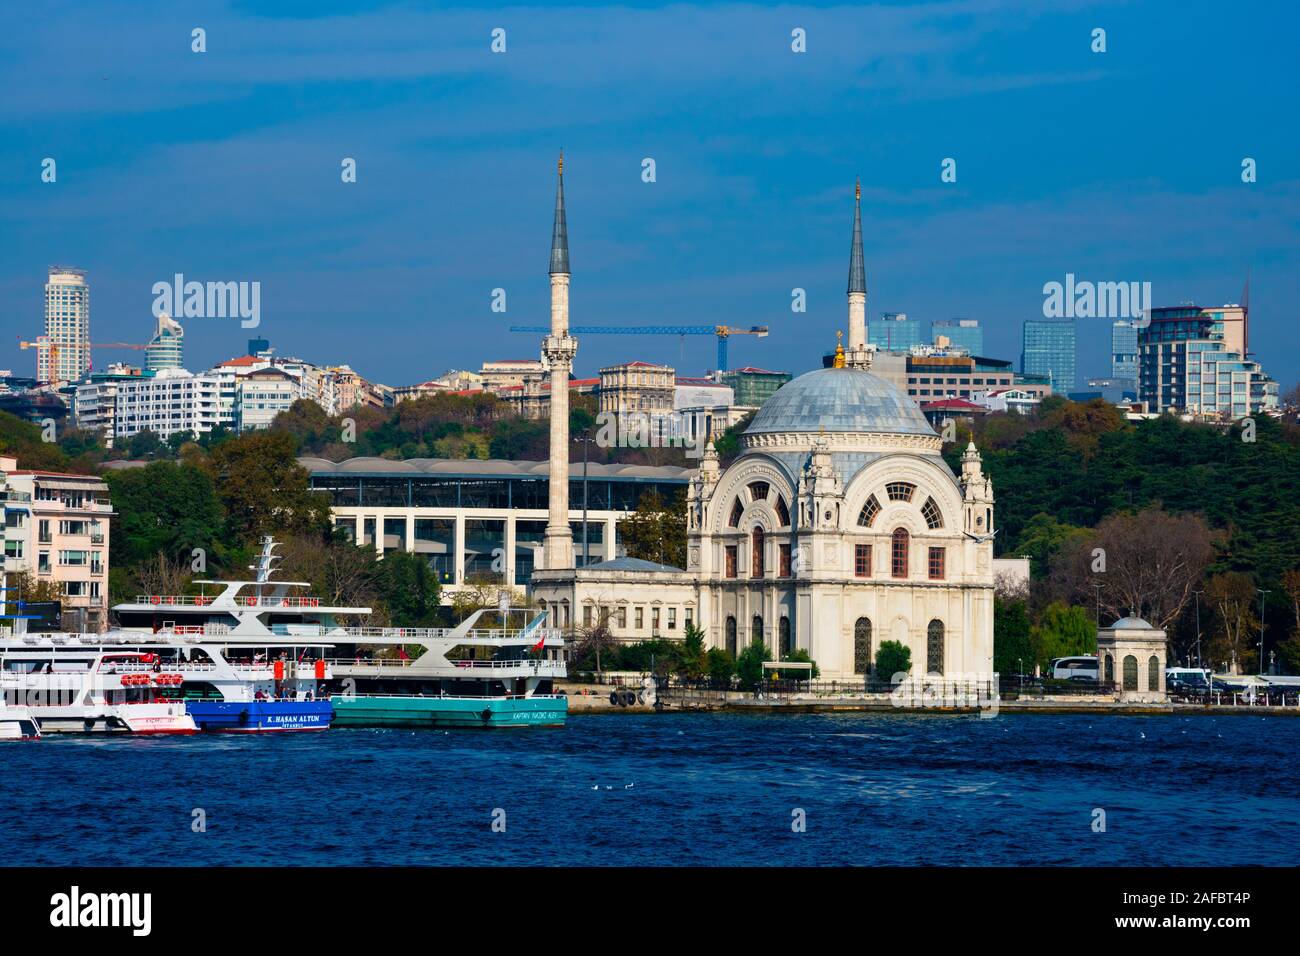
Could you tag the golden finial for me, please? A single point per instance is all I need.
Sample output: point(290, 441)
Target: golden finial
point(561, 163)
point(839, 349)
point(857, 191)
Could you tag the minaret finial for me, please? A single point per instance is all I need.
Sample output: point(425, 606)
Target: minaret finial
point(839, 349)
point(560, 231)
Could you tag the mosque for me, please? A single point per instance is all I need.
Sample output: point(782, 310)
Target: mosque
point(839, 525)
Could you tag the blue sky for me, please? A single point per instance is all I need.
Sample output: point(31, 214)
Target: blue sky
point(225, 166)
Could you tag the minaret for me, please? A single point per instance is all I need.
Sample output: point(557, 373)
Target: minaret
point(857, 355)
point(558, 350)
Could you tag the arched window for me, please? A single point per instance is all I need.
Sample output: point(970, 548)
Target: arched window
point(731, 636)
point(862, 646)
point(1130, 672)
point(783, 631)
point(737, 509)
point(900, 490)
point(758, 490)
point(869, 512)
point(934, 648)
point(898, 554)
point(1110, 669)
point(930, 512)
point(756, 630)
point(756, 561)
point(1153, 673)
point(782, 512)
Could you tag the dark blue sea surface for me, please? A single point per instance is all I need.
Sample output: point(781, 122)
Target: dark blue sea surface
point(672, 789)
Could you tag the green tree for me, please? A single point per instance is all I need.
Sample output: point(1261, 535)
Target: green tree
point(656, 531)
point(1012, 649)
point(749, 664)
point(410, 590)
point(893, 657)
point(1062, 631)
point(163, 507)
point(800, 656)
point(693, 656)
point(263, 489)
point(720, 666)
point(145, 444)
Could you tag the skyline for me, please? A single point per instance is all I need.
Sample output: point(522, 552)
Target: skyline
point(226, 168)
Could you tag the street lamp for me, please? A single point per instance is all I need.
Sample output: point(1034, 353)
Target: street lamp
point(584, 440)
point(1262, 592)
point(1198, 626)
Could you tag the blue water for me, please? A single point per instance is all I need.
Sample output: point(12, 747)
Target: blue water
point(672, 789)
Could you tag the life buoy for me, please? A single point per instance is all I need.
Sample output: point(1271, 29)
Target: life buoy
point(155, 599)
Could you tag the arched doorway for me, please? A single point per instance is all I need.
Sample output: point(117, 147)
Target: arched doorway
point(862, 646)
point(1130, 672)
point(934, 648)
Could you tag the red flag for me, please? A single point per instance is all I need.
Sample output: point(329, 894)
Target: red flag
point(540, 644)
point(401, 652)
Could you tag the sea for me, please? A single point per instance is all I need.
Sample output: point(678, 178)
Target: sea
point(672, 789)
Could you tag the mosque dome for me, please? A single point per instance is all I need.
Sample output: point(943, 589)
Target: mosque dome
point(839, 400)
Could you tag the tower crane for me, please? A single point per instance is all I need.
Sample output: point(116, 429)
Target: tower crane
point(54, 348)
point(723, 332)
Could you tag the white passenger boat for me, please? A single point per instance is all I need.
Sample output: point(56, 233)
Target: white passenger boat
point(486, 676)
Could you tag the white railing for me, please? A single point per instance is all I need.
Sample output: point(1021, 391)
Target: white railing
point(201, 600)
point(396, 663)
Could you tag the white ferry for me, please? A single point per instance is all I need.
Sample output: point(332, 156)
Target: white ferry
point(460, 676)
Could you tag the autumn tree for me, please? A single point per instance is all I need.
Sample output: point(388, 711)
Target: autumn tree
point(263, 489)
point(656, 530)
point(1144, 564)
point(1232, 596)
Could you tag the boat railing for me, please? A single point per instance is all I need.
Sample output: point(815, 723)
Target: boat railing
point(458, 696)
point(202, 600)
point(397, 663)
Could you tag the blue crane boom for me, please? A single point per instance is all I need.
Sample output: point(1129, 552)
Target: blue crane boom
point(723, 332)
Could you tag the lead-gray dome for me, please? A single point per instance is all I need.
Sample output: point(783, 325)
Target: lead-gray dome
point(839, 400)
point(1131, 624)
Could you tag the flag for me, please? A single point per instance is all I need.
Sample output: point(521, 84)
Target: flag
point(401, 653)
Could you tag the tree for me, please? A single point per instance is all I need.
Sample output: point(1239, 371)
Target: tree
point(656, 531)
point(721, 667)
point(800, 656)
point(1012, 651)
point(163, 508)
point(263, 488)
point(893, 658)
point(1147, 563)
point(749, 664)
point(594, 640)
point(693, 657)
point(1232, 595)
point(339, 572)
point(145, 444)
point(1063, 631)
point(410, 589)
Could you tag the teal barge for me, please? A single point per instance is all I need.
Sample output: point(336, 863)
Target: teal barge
point(385, 710)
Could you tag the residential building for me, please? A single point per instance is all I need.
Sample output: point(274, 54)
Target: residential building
point(532, 399)
point(57, 529)
point(754, 386)
point(95, 400)
point(895, 332)
point(1048, 348)
point(965, 334)
point(175, 400)
point(1187, 363)
point(927, 374)
point(63, 352)
point(1013, 399)
point(261, 395)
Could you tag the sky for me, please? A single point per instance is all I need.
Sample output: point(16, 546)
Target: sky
point(225, 165)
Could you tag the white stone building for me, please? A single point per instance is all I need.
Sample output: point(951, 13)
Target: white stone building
point(838, 527)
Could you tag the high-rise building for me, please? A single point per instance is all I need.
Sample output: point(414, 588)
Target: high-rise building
point(894, 332)
point(1190, 361)
point(1047, 348)
point(63, 353)
point(1124, 350)
point(167, 346)
point(961, 333)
